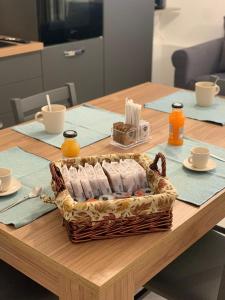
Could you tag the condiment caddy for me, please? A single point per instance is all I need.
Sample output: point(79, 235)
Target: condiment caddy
point(134, 131)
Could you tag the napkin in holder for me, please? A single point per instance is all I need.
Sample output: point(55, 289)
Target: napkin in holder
point(134, 131)
point(143, 130)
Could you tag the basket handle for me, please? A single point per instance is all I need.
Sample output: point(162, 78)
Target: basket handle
point(154, 165)
point(57, 178)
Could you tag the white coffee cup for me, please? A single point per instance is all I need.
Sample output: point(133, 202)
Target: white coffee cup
point(205, 92)
point(199, 157)
point(5, 179)
point(52, 120)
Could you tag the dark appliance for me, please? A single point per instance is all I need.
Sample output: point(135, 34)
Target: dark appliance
point(5, 44)
point(52, 21)
point(160, 4)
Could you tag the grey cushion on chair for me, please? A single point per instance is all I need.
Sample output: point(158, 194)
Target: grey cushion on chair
point(210, 77)
point(222, 59)
point(16, 286)
point(196, 274)
point(199, 62)
point(220, 82)
point(195, 61)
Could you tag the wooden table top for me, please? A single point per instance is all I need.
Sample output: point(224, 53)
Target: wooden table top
point(98, 263)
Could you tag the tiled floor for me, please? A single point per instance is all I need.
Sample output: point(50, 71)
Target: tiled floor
point(222, 223)
point(153, 296)
point(149, 296)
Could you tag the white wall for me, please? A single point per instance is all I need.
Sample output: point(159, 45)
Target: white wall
point(182, 24)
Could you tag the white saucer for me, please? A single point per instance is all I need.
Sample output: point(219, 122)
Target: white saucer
point(211, 165)
point(14, 187)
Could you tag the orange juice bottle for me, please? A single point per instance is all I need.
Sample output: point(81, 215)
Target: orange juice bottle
point(70, 147)
point(176, 125)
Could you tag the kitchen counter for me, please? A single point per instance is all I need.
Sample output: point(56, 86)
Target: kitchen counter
point(17, 48)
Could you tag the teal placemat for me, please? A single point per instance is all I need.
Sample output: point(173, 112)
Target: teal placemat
point(193, 187)
point(32, 171)
point(214, 113)
point(91, 123)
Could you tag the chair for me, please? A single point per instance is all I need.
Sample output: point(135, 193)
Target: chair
point(16, 286)
point(199, 63)
point(197, 274)
point(24, 109)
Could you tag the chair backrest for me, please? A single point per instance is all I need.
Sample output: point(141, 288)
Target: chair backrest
point(25, 108)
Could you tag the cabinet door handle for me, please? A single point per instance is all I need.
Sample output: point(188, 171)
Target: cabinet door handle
point(76, 52)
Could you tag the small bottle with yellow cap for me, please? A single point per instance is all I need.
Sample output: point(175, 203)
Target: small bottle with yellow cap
point(70, 147)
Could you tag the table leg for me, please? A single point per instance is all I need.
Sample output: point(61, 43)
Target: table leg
point(71, 290)
point(121, 289)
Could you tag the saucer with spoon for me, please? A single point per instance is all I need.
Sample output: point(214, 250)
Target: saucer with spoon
point(35, 192)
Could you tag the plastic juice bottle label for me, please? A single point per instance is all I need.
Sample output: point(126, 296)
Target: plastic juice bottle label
point(181, 132)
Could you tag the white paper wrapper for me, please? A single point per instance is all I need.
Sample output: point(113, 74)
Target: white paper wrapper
point(140, 171)
point(93, 180)
point(76, 185)
point(132, 171)
point(128, 181)
point(113, 176)
point(66, 178)
point(102, 180)
point(85, 183)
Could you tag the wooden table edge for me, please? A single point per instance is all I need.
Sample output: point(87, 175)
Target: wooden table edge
point(98, 289)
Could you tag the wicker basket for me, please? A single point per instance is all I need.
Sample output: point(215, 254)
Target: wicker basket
point(96, 220)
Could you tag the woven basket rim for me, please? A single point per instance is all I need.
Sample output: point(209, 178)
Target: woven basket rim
point(101, 156)
point(69, 208)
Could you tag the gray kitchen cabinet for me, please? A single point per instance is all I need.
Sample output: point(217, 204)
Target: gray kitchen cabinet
point(128, 32)
point(20, 76)
point(20, 89)
point(120, 59)
point(79, 62)
point(20, 67)
point(7, 119)
point(16, 90)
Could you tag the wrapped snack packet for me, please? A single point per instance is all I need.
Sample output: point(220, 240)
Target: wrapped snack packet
point(126, 176)
point(140, 171)
point(102, 180)
point(85, 183)
point(113, 176)
point(132, 171)
point(93, 180)
point(76, 184)
point(66, 178)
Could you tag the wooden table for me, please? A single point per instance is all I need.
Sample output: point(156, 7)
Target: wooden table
point(109, 269)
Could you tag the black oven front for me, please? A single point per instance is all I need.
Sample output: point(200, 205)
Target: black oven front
point(61, 21)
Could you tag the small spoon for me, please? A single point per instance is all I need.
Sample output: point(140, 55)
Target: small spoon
point(49, 103)
point(35, 192)
point(216, 79)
